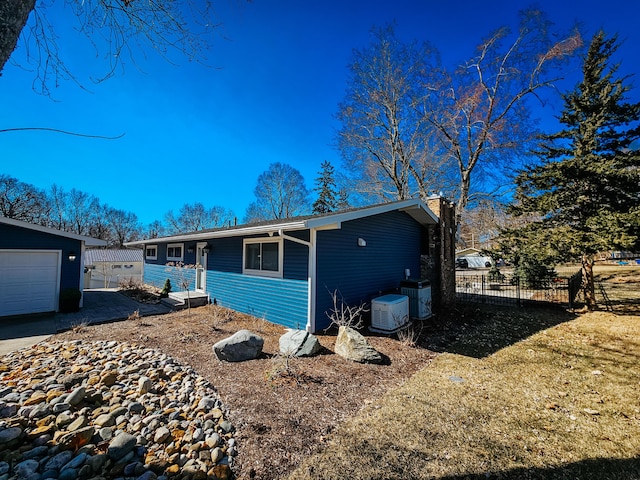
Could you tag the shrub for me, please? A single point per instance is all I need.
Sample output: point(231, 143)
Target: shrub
point(70, 300)
point(494, 274)
point(166, 288)
point(535, 274)
point(343, 315)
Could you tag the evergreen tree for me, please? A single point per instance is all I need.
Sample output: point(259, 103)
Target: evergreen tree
point(327, 200)
point(585, 193)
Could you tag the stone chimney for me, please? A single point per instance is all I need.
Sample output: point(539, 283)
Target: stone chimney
point(440, 264)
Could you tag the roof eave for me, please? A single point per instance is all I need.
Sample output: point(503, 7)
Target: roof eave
point(233, 232)
point(90, 241)
point(414, 207)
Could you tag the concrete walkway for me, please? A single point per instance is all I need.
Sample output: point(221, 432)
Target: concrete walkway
point(100, 306)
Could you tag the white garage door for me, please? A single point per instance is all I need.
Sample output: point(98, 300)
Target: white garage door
point(29, 281)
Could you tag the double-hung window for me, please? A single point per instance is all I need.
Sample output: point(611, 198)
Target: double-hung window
point(262, 257)
point(151, 252)
point(174, 252)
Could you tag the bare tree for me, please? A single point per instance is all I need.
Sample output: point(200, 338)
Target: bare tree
point(115, 28)
point(280, 193)
point(100, 227)
point(123, 226)
point(385, 138)
point(411, 128)
point(13, 18)
point(22, 201)
point(81, 210)
point(480, 116)
point(58, 214)
point(481, 225)
point(154, 230)
point(194, 217)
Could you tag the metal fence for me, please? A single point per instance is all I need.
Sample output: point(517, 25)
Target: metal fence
point(513, 290)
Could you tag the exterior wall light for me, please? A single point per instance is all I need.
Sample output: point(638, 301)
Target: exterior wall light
point(362, 242)
point(72, 256)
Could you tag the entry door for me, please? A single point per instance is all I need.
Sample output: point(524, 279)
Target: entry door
point(201, 269)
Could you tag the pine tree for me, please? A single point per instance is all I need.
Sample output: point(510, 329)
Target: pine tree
point(585, 193)
point(327, 200)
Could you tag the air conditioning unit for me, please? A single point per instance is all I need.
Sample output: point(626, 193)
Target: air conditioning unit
point(419, 293)
point(389, 313)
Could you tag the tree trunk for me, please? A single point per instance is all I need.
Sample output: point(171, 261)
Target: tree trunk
point(463, 200)
point(13, 17)
point(588, 282)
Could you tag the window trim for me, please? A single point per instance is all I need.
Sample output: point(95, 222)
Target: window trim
point(174, 258)
point(151, 257)
point(263, 273)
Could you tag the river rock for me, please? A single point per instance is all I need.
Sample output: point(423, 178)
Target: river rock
point(121, 445)
point(9, 434)
point(57, 398)
point(76, 396)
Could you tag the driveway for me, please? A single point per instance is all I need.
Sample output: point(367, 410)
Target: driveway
point(100, 306)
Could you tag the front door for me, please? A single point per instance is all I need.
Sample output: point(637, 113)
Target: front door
point(202, 253)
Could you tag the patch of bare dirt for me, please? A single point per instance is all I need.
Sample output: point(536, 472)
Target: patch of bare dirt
point(281, 415)
point(141, 293)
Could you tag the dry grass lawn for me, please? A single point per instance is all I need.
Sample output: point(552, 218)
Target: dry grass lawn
point(485, 393)
point(560, 404)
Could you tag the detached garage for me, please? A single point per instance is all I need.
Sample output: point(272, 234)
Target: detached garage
point(36, 264)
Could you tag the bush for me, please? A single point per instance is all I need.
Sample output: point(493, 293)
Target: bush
point(534, 274)
point(70, 300)
point(494, 274)
point(166, 289)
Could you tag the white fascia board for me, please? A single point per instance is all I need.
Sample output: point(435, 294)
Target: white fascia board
point(233, 232)
point(422, 214)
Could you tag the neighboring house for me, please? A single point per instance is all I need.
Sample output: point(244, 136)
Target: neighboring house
point(36, 264)
point(474, 258)
point(286, 270)
point(106, 268)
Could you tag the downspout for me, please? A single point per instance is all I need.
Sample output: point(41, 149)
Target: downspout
point(81, 286)
point(311, 282)
point(144, 263)
point(311, 315)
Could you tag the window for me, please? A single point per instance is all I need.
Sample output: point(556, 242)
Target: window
point(151, 252)
point(263, 257)
point(174, 252)
point(116, 266)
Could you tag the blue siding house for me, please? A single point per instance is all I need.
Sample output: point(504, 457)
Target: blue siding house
point(36, 264)
point(286, 271)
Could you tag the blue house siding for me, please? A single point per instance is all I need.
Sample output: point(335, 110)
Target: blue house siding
point(296, 260)
point(280, 301)
point(12, 237)
point(156, 275)
point(393, 244)
point(226, 254)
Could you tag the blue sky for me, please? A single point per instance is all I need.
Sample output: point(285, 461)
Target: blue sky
point(276, 73)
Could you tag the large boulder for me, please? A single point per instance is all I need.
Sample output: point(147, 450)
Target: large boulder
point(299, 343)
point(353, 346)
point(242, 345)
